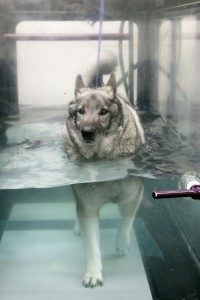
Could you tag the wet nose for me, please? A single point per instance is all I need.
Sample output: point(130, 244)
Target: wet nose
point(88, 134)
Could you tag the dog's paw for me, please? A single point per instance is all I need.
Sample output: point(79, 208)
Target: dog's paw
point(92, 280)
point(122, 244)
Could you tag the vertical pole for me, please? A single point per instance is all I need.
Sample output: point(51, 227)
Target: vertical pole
point(173, 70)
point(11, 77)
point(194, 124)
point(101, 18)
point(131, 63)
point(142, 97)
point(148, 57)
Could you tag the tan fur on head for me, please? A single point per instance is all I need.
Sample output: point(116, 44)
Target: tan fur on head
point(107, 90)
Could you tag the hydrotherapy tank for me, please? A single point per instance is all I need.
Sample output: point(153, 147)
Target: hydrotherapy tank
point(43, 46)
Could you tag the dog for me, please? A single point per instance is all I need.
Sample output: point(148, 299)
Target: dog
point(101, 124)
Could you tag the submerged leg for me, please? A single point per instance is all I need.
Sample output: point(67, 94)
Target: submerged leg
point(89, 226)
point(128, 208)
point(88, 204)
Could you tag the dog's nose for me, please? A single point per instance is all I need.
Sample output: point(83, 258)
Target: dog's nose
point(88, 134)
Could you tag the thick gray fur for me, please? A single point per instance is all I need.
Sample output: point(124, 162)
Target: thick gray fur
point(114, 130)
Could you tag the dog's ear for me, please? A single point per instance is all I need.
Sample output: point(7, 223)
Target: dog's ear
point(111, 84)
point(79, 84)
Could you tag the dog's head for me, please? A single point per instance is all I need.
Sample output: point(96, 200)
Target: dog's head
point(94, 110)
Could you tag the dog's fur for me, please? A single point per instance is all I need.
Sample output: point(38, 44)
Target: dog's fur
point(102, 124)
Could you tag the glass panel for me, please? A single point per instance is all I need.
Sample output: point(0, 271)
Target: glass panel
point(46, 44)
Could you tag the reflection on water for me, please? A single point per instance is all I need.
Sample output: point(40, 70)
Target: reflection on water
point(165, 151)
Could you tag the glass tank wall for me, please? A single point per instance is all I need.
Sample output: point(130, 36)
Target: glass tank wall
point(44, 46)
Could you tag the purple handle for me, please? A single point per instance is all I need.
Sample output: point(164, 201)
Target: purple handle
point(193, 192)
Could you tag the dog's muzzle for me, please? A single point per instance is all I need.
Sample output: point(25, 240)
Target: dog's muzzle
point(88, 134)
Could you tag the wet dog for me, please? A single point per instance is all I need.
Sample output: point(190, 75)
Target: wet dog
point(102, 124)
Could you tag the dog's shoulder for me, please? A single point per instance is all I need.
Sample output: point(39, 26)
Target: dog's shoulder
point(132, 123)
point(128, 136)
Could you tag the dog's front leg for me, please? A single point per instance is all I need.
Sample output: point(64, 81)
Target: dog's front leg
point(89, 225)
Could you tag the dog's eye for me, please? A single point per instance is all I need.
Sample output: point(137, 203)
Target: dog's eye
point(103, 112)
point(81, 111)
point(72, 116)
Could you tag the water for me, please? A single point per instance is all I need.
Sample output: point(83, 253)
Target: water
point(33, 155)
